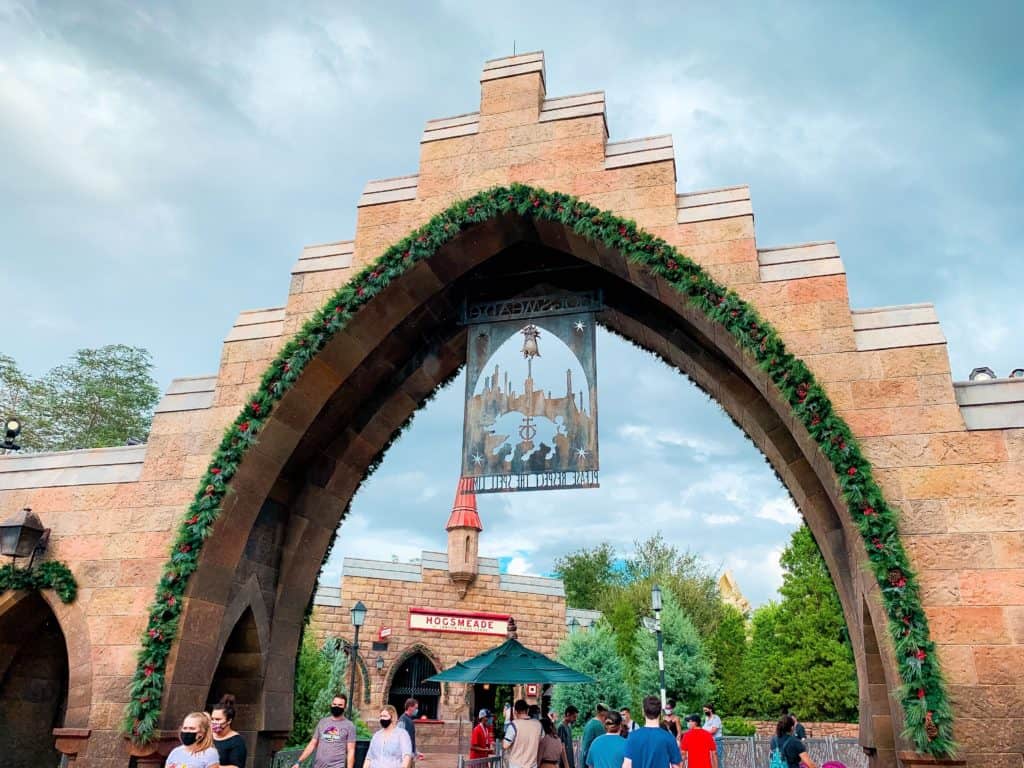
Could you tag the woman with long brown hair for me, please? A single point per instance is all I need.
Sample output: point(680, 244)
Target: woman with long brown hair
point(228, 742)
point(196, 749)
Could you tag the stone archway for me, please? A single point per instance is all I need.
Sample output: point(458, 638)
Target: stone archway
point(55, 635)
point(33, 682)
point(368, 380)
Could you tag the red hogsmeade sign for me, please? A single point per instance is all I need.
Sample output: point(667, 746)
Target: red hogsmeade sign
point(460, 622)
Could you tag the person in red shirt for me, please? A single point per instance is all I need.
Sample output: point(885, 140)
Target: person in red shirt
point(698, 745)
point(481, 744)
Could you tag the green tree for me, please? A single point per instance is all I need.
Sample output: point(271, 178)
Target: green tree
point(762, 666)
point(800, 655)
point(14, 388)
point(727, 648)
point(586, 573)
point(593, 653)
point(337, 682)
point(312, 675)
point(102, 397)
point(687, 667)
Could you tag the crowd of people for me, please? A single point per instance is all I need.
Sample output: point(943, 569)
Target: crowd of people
point(209, 741)
point(612, 739)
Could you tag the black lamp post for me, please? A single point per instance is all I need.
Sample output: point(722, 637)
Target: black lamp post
point(23, 535)
point(358, 613)
point(656, 605)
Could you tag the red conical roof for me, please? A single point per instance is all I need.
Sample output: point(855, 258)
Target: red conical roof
point(464, 514)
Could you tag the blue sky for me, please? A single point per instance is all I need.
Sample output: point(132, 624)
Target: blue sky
point(163, 164)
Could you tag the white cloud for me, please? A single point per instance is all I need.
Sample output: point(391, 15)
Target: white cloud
point(520, 566)
point(294, 73)
point(711, 119)
point(780, 510)
point(716, 519)
point(653, 438)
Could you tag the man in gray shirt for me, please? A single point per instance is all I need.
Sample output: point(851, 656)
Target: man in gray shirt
point(334, 739)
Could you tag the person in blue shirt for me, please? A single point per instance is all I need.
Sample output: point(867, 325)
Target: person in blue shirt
point(608, 750)
point(651, 746)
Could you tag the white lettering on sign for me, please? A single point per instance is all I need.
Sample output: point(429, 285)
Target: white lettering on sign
point(458, 621)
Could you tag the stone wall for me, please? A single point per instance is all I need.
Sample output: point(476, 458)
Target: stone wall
point(814, 730)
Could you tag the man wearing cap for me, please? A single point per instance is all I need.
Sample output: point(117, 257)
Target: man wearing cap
point(608, 750)
point(481, 744)
point(698, 745)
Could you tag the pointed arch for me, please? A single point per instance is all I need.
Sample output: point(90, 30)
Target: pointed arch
point(337, 394)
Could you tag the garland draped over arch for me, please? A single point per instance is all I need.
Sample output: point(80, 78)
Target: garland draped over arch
point(923, 695)
point(49, 574)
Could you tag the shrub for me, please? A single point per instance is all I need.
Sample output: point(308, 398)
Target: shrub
point(737, 726)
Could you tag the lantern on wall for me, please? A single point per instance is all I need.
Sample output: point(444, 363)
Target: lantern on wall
point(22, 535)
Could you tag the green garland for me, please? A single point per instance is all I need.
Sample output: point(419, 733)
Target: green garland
point(922, 694)
point(49, 574)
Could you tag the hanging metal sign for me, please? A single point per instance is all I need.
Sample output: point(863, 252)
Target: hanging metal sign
point(531, 394)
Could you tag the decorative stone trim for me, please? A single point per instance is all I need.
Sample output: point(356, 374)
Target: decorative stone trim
point(510, 66)
point(908, 325)
point(381, 569)
point(581, 105)
point(327, 596)
point(584, 617)
point(392, 190)
point(322, 258)
point(257, 324)
point(451, 127)
point(92, 466)
point(653, 149)
point(194, 393)
point(793, 262)
point(535, 585)
point(713, 204)
point(993, 404)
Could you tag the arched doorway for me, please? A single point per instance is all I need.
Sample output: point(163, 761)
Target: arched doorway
point(33, 683)
point(239, 673)
point(410, 681)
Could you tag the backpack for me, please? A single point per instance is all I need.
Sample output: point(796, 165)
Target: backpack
point(777, 759)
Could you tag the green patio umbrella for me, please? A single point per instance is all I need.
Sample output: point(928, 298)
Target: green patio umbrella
point(508, 664)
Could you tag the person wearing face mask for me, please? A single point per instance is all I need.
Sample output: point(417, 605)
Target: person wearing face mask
point(229, 744)
point(334, 739)
point(196, 750)
point(390, 747)
point(713, 725)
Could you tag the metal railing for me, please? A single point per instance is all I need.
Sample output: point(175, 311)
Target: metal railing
point(755, 751)
point(494, 761)
point(739, 752)
point(286, 758)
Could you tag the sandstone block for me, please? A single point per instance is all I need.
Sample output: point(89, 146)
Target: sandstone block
point(968, 625)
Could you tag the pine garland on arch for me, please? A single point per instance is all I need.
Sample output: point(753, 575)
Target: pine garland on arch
point(929, 721)
point(49, 574)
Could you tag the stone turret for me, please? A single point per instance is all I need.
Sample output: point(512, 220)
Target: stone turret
point(463, 537)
